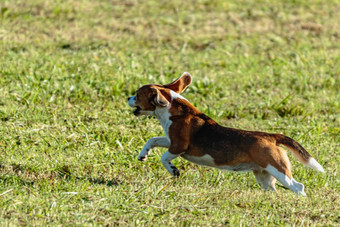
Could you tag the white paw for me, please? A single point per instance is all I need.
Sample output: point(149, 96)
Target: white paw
point(175, 171)
point(142, 158)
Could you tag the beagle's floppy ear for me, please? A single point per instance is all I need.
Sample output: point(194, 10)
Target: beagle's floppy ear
point(158, 98)
point(180, 84)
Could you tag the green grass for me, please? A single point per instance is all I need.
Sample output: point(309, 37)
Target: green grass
point(69, 142)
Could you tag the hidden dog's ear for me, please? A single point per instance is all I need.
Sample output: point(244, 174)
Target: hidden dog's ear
point(180, 84)
point(158, 99)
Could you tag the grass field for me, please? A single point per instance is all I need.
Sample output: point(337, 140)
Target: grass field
point(69, 142)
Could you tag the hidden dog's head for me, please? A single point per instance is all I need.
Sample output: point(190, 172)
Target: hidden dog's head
point(149, 97)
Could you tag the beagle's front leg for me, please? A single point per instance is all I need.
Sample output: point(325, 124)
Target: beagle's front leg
point(151, 143)
point(179, 145)
point(166, 161)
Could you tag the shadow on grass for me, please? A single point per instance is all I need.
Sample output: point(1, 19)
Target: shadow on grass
point(65, 172)
point(103, 181)
point(26, 175)
point(93, 180)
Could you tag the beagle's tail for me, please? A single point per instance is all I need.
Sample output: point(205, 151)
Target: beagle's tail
point(298, 151)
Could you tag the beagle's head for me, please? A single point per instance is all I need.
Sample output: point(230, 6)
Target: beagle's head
point(152, 96)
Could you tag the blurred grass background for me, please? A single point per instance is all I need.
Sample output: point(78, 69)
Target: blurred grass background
point(68, 141)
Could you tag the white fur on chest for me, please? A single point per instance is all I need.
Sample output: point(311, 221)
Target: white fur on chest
point(163, 116)
point(207, 160)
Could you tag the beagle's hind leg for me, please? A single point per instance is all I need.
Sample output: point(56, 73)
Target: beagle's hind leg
point(265, 180)
point(274, 160)
point(287, 181)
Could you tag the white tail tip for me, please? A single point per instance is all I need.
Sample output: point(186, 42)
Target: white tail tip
point(312, 163)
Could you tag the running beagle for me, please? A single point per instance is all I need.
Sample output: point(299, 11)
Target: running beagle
point(192, 135)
